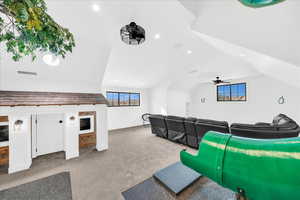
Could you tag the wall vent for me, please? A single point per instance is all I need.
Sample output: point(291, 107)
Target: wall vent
point(27, 73)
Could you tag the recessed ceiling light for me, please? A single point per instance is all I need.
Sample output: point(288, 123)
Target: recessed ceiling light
point(189, 52)
point(157, 36)
point(96, 7)
point(51, 60)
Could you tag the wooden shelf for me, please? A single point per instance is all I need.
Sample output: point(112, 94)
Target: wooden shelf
point(4, 155)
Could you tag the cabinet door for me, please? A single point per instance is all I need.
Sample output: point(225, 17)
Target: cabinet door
point(88, 139)
point(49, 134)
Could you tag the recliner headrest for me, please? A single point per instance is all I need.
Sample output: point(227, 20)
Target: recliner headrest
point(281, 119)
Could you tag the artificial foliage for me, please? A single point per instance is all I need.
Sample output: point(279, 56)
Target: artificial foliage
point(27, 28)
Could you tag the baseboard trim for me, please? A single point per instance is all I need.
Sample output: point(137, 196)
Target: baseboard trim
point(139, 126)
point(19, 168)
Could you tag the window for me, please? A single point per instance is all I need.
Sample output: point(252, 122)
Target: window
point(233, 92)
point(124, 99)
point(134, 99)
point(118, 99)
point(112, 98)
point(224, 93)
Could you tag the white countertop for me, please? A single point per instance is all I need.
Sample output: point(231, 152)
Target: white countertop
point(4, 144)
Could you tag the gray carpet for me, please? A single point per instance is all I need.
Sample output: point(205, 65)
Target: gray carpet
point(55, 187)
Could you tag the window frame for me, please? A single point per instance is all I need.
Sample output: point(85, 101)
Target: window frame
point(230, 99)
point(129, 93)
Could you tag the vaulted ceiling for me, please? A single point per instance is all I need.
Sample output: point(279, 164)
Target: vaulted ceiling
point(176, 49)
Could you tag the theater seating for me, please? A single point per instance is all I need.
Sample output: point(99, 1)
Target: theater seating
point(205, 125)
point(176, 131)
point(190, 131)
point(281, 127)
point(158, 125)
point(192, 138)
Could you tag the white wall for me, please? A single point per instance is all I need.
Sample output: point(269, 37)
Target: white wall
point(124, 117)
point(158, 99)
point(261, 105)
point(168, 100)
point(176, 102)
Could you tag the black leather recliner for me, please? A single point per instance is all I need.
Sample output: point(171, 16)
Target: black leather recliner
point(205, 125)
point(176, 130)
point(281, 127)
point(192, 138)
point(158, 125)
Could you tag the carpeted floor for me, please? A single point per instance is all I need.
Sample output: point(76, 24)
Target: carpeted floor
point(55, 187)
point(134, 155)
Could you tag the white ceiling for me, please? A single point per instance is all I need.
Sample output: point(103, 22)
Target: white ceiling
point(272, 30)
point(166, 59)
point(101, 57)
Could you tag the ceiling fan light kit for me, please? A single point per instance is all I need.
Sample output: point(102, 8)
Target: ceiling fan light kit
point(260, 3)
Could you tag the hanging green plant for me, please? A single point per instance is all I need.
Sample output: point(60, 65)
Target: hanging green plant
point(259, 3)
point(27, 28)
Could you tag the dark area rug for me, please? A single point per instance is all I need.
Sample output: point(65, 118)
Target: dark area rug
point(202, 189)
point(150, 189)
point(177, 177)
point(56, 187)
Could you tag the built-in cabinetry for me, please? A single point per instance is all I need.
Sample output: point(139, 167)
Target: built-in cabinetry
point(4, 149)
point(32, 113)
point(88, 139)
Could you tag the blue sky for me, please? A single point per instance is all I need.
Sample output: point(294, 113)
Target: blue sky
point(236, 90)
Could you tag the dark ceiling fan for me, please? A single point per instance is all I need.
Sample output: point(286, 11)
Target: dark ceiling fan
point(220, 81)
